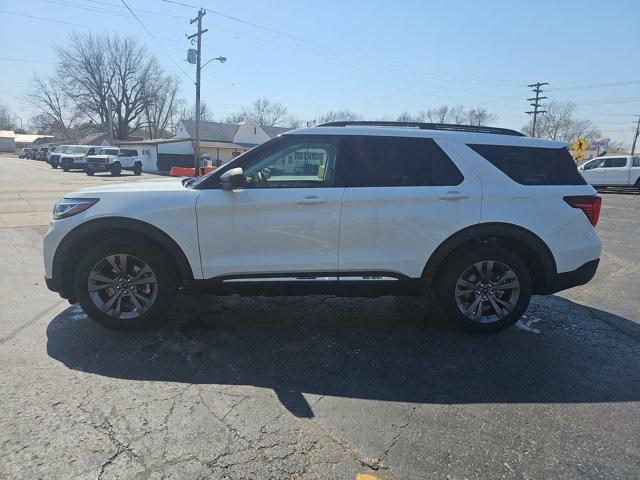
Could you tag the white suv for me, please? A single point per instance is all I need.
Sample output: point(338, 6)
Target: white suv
point(481, 217)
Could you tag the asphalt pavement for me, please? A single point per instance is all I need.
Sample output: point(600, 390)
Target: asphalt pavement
point(313, 387)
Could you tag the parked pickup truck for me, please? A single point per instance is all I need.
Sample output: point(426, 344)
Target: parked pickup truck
point(114, 160)
point(619, 171)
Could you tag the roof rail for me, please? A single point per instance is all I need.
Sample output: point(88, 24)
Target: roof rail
point(426, 126)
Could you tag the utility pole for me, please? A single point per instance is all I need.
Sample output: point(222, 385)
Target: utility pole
point(536, 104)
point(109, 121)
point(198, 35)
point(635, 137)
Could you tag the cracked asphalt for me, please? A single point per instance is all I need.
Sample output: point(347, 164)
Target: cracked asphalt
point(314, 387)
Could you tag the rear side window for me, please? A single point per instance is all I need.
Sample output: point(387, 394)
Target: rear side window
point(398, 162)
point(615, 162)
point(533, 165)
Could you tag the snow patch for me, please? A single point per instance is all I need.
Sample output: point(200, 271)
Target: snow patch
point(527, 323)
point(77, 314)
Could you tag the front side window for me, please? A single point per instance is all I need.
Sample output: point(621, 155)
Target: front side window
point(615, 162)
point(298, 164)
point(398, 162)
point(532, 165)
point(594, 164)
point(636, 162)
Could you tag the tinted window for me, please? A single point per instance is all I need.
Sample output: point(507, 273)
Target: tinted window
point(398, 162)
point(615, 162)
point(636, 162)
point(533, 165)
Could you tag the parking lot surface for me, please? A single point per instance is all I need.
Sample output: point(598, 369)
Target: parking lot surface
point(313, 387)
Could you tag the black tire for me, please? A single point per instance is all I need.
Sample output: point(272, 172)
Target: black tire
point(65, 168)
point(156, 258)
point(116, 169)
point(89, 171)
point(54, 165)
point(137, 168)
point(458, 265)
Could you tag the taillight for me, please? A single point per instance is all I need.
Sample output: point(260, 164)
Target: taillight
point(589, 204)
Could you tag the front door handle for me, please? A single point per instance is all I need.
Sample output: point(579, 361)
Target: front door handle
point(453, 196)
point(311, 200)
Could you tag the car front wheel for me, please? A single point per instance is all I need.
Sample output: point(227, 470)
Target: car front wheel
point(485, 290)
point(125, 284)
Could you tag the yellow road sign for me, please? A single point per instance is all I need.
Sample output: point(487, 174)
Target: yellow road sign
point(579, 146)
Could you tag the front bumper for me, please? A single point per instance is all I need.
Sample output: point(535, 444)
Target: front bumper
point(574, 278)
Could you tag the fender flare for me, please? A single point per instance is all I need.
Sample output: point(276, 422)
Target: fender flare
point(492, 229)
point(66, 245)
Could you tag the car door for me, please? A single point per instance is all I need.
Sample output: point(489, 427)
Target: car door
point(593, 171)
point(403, 197)
point(616, 171)
point(286, 219)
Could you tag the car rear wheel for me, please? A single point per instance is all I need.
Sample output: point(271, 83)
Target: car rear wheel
point(137, 168)
point(485, 290)
point(125, 284)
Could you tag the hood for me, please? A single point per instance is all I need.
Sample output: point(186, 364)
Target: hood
point(70, 155)
point(141, 186)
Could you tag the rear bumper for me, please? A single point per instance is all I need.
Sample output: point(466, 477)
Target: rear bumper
point(574, 278)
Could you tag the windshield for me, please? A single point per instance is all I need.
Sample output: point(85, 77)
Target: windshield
point(108, 151)
point(77, 150)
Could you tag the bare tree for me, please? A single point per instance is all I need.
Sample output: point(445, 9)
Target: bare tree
point(55, 113)
point(161, 111)
point(101, 70)
point(206, 114)
point(408, 117)
point(338, 116)
point(480, 117)
point(7, 118)
point(560, 123)
point(262, 111)
point(236, 117)
point(618, 147)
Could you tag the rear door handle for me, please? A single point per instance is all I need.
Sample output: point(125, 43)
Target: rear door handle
point(311, 200)
point(453, 196)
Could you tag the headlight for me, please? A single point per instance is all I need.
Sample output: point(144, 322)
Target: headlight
point(67, 207)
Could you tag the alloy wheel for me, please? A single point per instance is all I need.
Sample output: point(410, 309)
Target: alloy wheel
point(487, 291)
point(122, 286)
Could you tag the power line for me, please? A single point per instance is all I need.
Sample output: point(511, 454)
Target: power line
point(25, 60)
point(157, 42)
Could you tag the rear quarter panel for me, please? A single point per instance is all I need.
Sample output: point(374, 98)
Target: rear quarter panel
point(540, 209)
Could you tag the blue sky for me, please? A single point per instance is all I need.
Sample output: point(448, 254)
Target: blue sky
point(390, 56)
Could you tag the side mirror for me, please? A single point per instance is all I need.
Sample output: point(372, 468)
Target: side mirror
point(232, 179)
